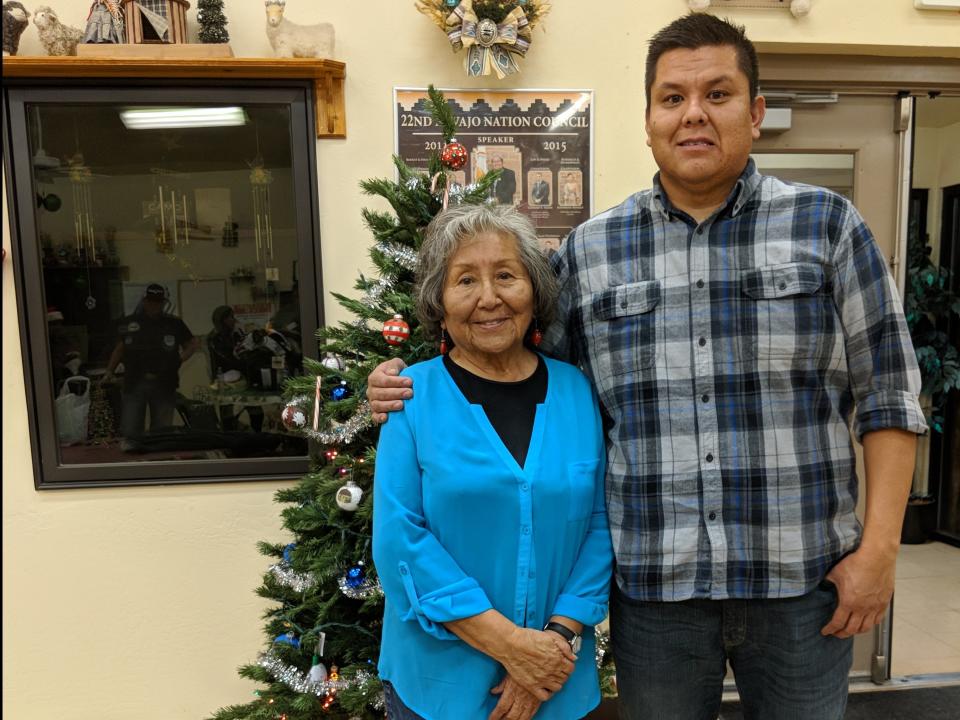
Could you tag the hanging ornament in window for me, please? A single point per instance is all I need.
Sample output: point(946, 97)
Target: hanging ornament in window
point(396, 330)
point(260, 181)
point(494, 33)
point(349, 495)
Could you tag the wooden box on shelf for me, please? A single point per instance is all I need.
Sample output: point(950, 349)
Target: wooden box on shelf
point(139, 29)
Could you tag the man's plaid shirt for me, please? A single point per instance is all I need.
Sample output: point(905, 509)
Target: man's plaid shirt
point(729, 357)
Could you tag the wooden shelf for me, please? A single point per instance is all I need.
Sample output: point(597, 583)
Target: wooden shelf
point(327, 76)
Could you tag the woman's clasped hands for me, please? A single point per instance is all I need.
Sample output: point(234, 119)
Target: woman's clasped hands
point(538, 663)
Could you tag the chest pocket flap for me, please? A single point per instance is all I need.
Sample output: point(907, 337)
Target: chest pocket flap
point(784, 280)
point(625, 300)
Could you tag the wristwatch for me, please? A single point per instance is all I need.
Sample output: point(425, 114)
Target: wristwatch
point(567, 634)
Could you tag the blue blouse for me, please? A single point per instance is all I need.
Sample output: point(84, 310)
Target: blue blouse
point(460, 528)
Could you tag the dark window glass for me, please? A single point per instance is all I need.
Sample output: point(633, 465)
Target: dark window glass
point(168, 241)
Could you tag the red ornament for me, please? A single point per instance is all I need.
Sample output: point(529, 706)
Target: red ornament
point(454, 155)
point(396, 330)
point(293, 418)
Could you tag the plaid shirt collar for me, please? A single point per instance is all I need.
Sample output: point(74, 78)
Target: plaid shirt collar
point(747, 184)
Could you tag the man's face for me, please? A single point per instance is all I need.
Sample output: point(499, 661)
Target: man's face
point(496, 163)
point(701, 123)
point(153, 307)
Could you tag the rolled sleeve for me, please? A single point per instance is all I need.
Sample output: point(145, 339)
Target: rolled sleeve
point(889, 409)
point(419, 577)
point(884, 376)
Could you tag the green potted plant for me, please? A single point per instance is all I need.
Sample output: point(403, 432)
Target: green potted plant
point(928, 300)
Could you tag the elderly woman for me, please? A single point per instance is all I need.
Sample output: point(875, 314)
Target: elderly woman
point(489, 532)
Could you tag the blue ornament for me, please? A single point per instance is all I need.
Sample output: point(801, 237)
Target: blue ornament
point(340, 392)
point(287, 639)
point(288, 553)
point(356, 576)
point(452, 3)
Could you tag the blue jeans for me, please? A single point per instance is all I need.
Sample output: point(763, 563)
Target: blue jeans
point(671, 657)
point(396, 710)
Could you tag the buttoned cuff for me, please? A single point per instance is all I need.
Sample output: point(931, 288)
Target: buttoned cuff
point(462, 599)
point(889, 409)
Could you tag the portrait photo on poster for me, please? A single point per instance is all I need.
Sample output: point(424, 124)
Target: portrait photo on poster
point(540, 141)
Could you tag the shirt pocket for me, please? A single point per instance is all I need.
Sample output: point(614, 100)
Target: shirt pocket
point(583, 479)
point(625, 327)
point(788, 311)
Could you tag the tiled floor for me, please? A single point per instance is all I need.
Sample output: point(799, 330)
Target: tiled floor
point(926, 617)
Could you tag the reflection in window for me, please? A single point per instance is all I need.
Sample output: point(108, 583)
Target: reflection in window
point(169, 247)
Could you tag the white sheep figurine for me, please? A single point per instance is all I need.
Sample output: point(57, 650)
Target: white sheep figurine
point(56, 38)
point(798, 8)
point(289, 39)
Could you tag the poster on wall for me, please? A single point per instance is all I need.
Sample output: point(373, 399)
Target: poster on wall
point(542, 140)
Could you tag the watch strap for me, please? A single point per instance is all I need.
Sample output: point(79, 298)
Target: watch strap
point(562, 630)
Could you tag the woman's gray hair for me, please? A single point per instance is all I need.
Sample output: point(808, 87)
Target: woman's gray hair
point(454, 225)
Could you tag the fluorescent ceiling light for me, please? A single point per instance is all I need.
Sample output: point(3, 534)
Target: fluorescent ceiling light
point(153, 118)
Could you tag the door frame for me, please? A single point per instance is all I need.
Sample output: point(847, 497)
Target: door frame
point(902, 73)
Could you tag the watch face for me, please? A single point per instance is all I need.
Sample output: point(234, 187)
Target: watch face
point(575, 644)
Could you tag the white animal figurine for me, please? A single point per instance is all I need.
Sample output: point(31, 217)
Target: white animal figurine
point(56, 38)
point(291, 40)
point(798, 8)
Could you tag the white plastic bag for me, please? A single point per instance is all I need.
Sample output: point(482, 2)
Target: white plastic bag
point(73, 411)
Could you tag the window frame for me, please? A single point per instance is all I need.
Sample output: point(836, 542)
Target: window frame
point(48, 472)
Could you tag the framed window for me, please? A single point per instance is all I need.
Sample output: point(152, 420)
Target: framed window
point(167, 266)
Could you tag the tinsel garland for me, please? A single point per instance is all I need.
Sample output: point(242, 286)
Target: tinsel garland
point(339, 434)
point(299, 681)
point(367, 589)
point(285, 576)
point(403, 256)
point(373, 294)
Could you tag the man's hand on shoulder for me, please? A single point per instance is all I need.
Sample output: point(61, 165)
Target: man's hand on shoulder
point(386, 390)
point(864, 580)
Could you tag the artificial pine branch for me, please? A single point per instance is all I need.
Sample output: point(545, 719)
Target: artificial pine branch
point(442, 114)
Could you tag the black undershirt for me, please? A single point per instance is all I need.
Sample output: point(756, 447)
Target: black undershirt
point(511, 407)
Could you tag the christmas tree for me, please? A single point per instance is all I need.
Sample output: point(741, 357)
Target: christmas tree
point(213, 23)
point(323, 633)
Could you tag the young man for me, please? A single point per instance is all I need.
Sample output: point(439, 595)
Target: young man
point(732, 325)
point(152, 345)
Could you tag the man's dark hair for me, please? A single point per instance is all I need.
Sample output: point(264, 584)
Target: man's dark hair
point(699, 30)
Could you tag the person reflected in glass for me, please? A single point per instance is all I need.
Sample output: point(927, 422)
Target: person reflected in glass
point(227, 370)
point(152, 345)
point(490, 535)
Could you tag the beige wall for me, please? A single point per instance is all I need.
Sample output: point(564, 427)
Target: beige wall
point(138, 603)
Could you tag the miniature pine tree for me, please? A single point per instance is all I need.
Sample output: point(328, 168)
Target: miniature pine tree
point(329, 608)
point(213, 23)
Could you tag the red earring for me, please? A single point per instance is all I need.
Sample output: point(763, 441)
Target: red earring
point(443, 341)
point(536, 337)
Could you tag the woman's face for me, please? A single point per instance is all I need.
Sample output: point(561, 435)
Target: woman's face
point(487, 296)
